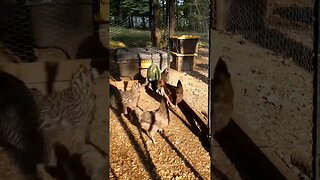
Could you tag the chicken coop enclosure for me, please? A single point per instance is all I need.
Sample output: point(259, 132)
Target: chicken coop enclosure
point(269, 47)
point(154, 24)
point(172, 31)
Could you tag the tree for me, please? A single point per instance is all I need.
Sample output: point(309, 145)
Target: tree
point(171, 4)
point(122, 10)
point(155, 22)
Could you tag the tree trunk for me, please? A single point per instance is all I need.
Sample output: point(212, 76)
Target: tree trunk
point(120, 16)
point(164, 14)
point(155, 22)
point(130, 21)
point(177, 14)
point(172, 19)
point(144, 22)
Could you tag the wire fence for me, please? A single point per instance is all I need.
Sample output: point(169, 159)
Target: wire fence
point(131, 25)
point(133, 22)
point(270, 50)
point(285, 27)
point(48, 30)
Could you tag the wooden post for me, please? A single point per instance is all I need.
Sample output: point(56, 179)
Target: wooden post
point(155, 22)
point(220, 14)
point(106, 27)
point(316, 97)
point(171, 5)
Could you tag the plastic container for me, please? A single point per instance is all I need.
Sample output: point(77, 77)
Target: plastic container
point(163, 58)
point(184, 44)
point(182, 62)
point(150, 56)
point(133, 61)
point(128, 63)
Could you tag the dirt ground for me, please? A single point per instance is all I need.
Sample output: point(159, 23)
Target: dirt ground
point(176, 154)
point(272, 94)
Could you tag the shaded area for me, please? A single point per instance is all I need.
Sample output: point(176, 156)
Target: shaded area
point(246, 15)
point(181, 156)
point(16, 30)
point(279, 43)
point(247, 18)
point(92, 47)
point(116, 101)
point(19, 123)
point(203, 66)
point(113, 174)
point(174, 159)
point(240, 161)
point(296, 14)
point(216, 172)
point(51, 69)
point(134, 120)
point(144, 157)
point(67, 160)
point(191, 125)
point(242, 158)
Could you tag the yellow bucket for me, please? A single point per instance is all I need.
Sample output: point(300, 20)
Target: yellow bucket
point(185, 37)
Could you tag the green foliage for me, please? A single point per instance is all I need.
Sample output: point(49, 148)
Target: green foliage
point(130, 7)
point(191, 15)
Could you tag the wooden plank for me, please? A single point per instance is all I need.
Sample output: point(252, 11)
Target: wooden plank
point(38, 72)
point(220, 15)
point(101, 87)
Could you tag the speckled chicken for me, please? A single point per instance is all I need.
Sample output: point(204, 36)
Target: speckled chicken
point(121, 100)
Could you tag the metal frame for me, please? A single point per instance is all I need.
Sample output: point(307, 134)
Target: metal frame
point(316, 85)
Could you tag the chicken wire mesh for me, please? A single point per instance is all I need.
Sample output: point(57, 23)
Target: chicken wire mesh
point(191, 27)
point(285, 27)
point(269, 50)
point(48, 30)
point(131, 26)
point(137, 24)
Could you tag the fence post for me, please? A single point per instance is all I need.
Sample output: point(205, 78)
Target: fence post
point(220, 14)
point(316, 97)
point(211, 75)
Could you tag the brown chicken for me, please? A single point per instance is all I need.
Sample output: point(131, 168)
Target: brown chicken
point(152, 121)
point(173, 94)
